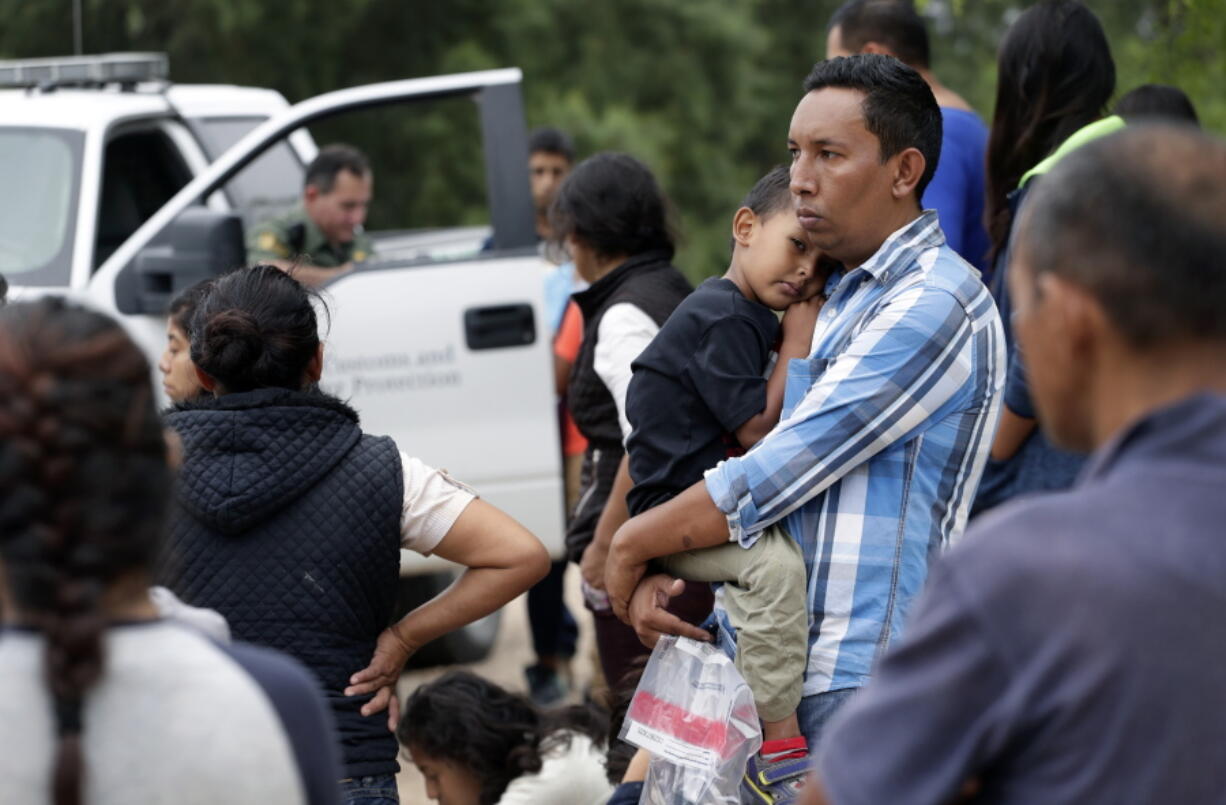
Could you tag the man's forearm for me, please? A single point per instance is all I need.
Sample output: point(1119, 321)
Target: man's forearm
point(687, 522)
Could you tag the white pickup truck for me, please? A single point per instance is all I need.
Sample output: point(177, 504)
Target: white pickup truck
point(121, 189)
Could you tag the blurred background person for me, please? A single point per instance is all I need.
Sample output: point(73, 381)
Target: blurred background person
point(551, 155)
point(323, 237)
point(105, 702)
point(179, 379)
point(957, 189)
point(1055, 76)
point(1156, 102)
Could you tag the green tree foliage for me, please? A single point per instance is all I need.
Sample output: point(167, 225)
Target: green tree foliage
point(701, 90)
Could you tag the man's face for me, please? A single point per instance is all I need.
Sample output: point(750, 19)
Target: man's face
point(1056, 370)
point(339, 212)
point(839, 184)
point(834, 43)
point(547, 170)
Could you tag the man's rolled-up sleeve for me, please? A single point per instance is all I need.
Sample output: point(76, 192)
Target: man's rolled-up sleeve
point(911, 359)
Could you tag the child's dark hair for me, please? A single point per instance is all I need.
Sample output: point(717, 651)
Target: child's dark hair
point(1157, 102)
point(183, 306)
point(770, 194)
point(613, 205)
point(494, 734)
point(85, 479)
point(4, 290)
point(255, 328)
point(549, 140)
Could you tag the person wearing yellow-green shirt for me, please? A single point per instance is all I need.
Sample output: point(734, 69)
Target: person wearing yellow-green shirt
point(322, 238)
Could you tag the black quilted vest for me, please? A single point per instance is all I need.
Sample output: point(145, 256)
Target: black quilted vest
point(651, 283)
point(287, 521)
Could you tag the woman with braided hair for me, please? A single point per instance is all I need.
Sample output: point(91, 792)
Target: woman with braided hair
point(289, 520)
point(103, 701)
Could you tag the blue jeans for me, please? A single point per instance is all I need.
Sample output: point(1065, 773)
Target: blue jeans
point(816, 711)
point(377, 790)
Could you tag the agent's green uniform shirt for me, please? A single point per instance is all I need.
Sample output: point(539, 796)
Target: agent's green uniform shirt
point(294, 236)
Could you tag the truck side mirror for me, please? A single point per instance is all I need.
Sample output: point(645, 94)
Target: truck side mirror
point(199, 244)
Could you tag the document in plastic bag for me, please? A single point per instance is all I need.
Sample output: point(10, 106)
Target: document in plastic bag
point(694, 713)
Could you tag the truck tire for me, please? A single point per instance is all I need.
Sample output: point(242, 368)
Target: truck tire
point(470, 643)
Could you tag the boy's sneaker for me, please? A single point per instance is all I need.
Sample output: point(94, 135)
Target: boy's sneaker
point(546, 686)
point(776, 774)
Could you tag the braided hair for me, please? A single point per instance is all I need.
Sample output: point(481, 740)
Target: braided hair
point(85, 479)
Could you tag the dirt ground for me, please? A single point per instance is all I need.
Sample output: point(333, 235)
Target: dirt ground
point(505, 665)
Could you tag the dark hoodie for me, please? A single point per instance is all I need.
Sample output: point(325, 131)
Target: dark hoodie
point(287, 521)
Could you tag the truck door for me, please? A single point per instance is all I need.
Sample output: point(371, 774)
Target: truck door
point(444, 348)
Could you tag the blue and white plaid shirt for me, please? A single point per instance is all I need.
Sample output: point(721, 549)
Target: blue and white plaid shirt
point(885, 431)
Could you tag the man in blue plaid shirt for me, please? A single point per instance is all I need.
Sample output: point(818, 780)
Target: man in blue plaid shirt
point(886, 426)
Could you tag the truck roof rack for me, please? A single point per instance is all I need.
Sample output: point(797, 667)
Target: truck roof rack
point(85, 71)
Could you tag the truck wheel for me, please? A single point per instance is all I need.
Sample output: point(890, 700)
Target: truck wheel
point(470, 643)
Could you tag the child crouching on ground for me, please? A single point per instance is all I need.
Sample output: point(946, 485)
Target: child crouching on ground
point(699, 394)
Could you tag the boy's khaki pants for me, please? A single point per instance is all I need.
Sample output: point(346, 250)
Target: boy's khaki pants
point(765, 598)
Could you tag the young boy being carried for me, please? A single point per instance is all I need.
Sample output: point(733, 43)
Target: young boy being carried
point(699, 394)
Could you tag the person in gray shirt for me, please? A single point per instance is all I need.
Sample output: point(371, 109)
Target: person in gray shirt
point(101, 700)
point(1071, 649)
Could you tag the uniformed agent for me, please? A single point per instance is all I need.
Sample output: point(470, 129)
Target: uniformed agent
point(323, 238)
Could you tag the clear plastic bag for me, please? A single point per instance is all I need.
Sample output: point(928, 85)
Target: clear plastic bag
point(694, 713)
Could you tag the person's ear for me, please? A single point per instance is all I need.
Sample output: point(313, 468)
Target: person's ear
point(743, 224)
point(209, 383)
point(310, 193)
point(909, 166)
point(315, 366)
point(1078, 319)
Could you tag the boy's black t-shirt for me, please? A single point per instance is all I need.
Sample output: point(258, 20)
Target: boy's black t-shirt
point(700, 379)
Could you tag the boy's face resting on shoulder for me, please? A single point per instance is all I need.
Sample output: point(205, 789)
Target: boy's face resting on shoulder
point(774, 261)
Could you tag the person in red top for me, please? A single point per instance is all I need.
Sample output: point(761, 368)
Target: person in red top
point(554, 631)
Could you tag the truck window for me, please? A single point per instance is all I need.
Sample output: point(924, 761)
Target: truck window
point(430, 199)
point(270, 185)
point(38, 206)
point(141, 170)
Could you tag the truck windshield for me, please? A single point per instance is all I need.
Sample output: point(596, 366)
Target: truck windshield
point(38, 204)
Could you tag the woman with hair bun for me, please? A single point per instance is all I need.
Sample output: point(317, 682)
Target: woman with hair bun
point(105, 703)
point(289, 520)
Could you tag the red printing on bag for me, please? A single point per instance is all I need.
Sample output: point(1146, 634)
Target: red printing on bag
point(678, 722)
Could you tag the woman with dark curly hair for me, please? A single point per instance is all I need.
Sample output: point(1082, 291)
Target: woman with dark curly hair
point(104, 702)
point(477, 744)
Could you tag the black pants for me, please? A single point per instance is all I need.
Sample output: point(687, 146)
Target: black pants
point(554, 630)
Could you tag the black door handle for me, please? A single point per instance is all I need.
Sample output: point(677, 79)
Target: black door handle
point(499, 326)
